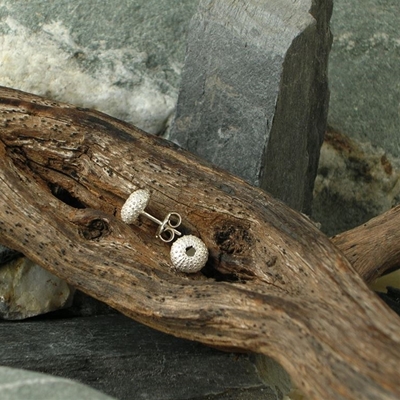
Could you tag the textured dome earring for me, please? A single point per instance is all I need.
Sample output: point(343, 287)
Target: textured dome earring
point(188, 254)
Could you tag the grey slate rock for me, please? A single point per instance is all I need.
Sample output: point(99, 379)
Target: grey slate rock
point(17, 384)
point(121, 57)
point(364, 72)
point(254, 95)
point(127, 360)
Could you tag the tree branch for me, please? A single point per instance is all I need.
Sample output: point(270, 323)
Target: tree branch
point(273, 284)
point(374, 247)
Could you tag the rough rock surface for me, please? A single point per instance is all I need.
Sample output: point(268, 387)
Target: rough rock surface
point(27, 290)
point(16, 384)
point(129, 361)
point(364, 72)
point(356, 182)
point(254, 96)
point(123, 58)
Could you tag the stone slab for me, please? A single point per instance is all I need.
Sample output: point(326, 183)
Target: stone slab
point(127, 360)
point(254, 96)
point(16, 384)
point(364, 72)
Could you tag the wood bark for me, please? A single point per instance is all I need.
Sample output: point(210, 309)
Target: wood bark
point(274, 284)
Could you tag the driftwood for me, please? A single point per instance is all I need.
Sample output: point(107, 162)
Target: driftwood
point(374, 247)
point(273, 284)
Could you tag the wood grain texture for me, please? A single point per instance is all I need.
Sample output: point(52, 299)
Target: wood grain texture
point(273, 284)
point(374, 247)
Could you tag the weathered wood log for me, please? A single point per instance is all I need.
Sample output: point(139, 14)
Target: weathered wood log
point(374, 247)
point(273, 284)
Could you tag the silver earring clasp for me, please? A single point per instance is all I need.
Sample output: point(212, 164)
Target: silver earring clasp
point(167, 228)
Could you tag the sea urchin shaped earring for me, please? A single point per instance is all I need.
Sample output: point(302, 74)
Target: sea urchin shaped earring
point(189, 254)
point(135, 205)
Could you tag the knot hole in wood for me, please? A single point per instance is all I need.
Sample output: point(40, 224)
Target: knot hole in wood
point(233, 238)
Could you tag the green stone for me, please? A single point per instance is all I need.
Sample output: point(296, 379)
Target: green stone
point(17, 384)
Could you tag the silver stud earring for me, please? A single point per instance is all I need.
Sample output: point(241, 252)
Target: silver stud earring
point(188, 254)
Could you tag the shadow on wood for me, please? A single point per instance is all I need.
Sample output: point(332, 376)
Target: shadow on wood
point(274, 284)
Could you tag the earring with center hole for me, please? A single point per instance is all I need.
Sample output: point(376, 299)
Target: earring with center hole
point(188, 254)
